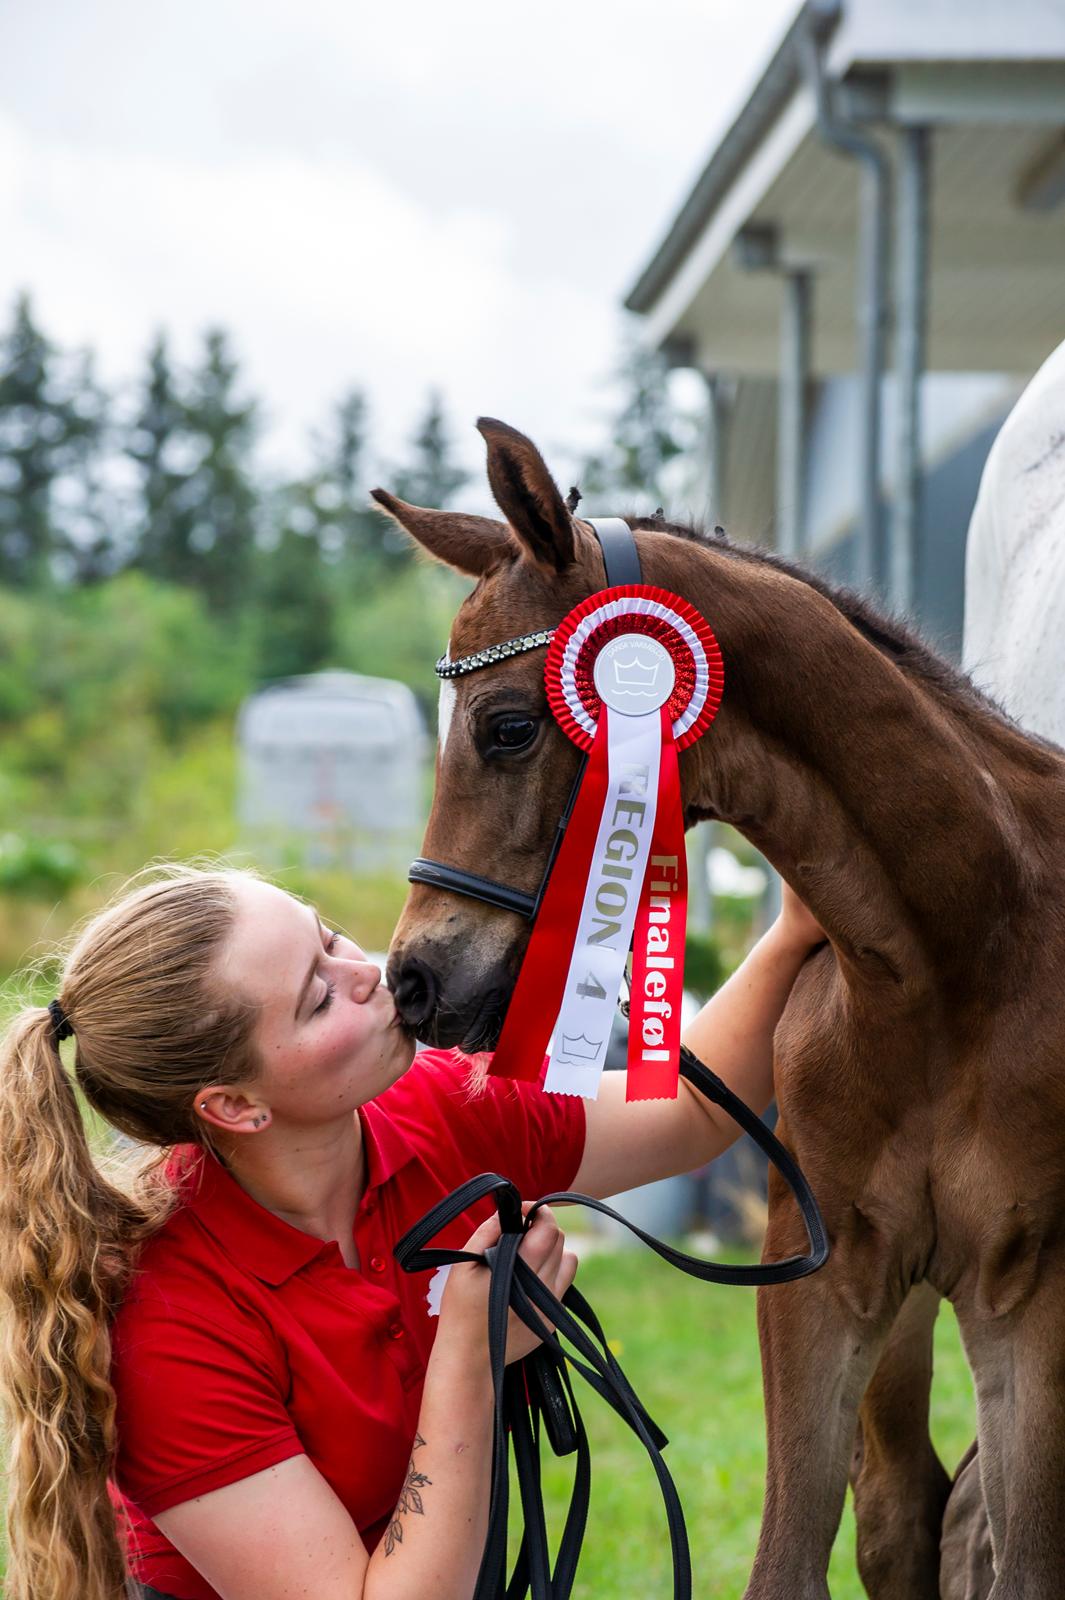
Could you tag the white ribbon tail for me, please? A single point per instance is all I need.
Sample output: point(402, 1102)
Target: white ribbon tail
point(608, 912)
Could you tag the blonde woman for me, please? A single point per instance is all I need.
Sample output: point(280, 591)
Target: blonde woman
point(216, 1381)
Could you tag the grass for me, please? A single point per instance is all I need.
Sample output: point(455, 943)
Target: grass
point(691, 1351)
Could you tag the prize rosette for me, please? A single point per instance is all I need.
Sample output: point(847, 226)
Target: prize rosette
point(633, 675)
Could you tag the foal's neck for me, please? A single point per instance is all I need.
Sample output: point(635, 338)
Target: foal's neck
point(884, 803)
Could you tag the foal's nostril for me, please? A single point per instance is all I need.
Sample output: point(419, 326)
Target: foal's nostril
point(414, 990)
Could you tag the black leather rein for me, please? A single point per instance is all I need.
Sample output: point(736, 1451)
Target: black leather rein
point(536, 1395)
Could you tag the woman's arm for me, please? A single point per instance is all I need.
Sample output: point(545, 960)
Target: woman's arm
point(434, 1543)
point(628, 1143)
point(283, 1534)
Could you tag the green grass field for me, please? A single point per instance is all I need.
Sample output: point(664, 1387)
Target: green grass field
point(691, 1351)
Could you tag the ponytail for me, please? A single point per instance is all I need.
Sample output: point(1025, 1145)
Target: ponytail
point(148, 1036)
point(66, 1236)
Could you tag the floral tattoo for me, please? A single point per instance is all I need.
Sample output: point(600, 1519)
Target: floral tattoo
point(410, 1500)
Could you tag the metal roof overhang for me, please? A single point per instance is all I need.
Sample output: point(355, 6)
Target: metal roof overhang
point(997, 277)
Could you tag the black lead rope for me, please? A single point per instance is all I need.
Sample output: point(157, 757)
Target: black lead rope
point(535, 1396)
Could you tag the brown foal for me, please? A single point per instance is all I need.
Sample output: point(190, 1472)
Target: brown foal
point(920, 1063)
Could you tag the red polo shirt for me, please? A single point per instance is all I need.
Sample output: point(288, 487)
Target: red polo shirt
point(243, 1341)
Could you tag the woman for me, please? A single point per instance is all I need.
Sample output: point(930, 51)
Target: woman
point(216, 1379)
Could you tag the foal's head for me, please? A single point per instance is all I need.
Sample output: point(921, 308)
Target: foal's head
point(504, 768)
point(810, 670)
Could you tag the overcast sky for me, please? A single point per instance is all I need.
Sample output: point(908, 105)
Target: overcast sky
point(452, 194)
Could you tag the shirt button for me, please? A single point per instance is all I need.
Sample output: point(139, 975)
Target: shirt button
point(369, 1208)
point(377, 1263)
point(395, 1331)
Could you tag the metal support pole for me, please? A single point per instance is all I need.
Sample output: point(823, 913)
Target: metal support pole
point(792, 391)
point(716, 426)
point(700, 838)
point(871, 313)
point(911, 298)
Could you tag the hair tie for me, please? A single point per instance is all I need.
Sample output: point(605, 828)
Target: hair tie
point(61, 1028)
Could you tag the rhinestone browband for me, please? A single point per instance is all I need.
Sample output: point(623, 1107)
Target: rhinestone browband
point(493, 653)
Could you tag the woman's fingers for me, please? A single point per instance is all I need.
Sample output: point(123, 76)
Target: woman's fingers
point(566, 1273)
point(543, 1247)
point(485, 1236)
point(540, 1238)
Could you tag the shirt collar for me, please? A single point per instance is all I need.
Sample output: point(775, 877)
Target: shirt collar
point(262, 1243)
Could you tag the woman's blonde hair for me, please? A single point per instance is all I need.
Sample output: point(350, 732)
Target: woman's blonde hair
point(152, 1028)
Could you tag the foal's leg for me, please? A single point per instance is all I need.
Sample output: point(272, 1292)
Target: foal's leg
point(900, 1486)
point(819, 1349)
point(966, 1568)
point(1018, 1362)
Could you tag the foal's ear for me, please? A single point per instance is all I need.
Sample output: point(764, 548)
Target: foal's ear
point(526, 494)
point(469, 544)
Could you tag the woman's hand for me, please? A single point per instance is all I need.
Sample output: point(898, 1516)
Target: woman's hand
point(465, 1301)
point(797, 926)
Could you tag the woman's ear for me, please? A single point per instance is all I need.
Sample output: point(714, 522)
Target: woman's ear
point(528, 497)
point(231, 1112)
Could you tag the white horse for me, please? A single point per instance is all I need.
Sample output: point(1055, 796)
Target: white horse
point(1014, 648)
point(1014, 639)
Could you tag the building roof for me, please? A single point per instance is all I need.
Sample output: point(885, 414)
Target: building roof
point(990, 81)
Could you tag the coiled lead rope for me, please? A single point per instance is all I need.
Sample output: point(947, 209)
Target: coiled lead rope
point(536, 1396)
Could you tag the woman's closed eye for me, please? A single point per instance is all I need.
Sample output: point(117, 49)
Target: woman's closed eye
point(330, 987)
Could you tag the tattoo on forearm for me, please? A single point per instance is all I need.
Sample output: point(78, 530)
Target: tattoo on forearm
point(410, 1500)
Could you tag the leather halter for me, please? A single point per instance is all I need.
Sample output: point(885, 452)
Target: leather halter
point(621, 561)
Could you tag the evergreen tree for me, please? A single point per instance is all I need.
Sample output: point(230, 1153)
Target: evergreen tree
point(218, 498)
point(52, 423)
point(295, 588)
point(159, 445)
point(433, 476)
point(89, 511)
point(348, 529)
point(647, 434)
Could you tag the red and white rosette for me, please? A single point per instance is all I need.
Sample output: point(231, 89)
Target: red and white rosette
point(633, 675)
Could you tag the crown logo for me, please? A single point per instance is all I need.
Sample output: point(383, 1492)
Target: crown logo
point(636, 677)
point(578, 1047)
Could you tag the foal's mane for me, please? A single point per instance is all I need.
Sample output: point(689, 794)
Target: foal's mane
point(892, 637)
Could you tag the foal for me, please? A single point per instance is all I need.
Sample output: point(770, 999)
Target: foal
point(920, 1064)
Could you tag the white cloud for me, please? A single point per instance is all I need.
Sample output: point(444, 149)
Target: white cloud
point(396, 197)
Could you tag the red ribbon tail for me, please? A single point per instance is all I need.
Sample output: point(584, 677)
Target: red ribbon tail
point(658, 944)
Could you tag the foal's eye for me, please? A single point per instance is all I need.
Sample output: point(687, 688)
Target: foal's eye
point(514, 732)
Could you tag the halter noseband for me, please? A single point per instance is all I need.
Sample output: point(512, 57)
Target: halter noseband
point(621, 561)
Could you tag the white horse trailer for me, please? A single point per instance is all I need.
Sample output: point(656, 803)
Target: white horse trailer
point(332, 770)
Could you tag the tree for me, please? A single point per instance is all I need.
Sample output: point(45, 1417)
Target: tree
point(53, 417)
point(218, 500)
point(647, 434)
point(433, 476)
point(349, 531)
point(155, 444)
point(295, 590)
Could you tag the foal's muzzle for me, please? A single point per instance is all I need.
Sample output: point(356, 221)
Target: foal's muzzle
point(447, 1010)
